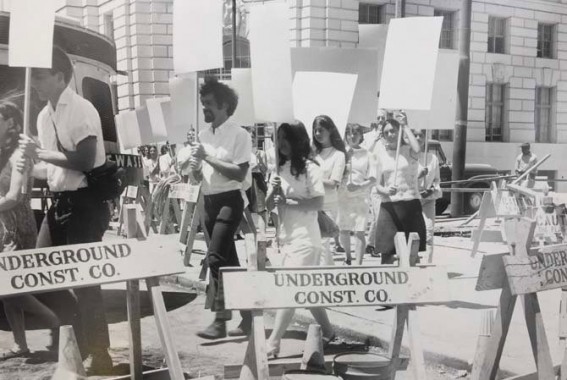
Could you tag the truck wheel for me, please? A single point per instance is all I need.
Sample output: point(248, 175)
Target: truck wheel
point(473, 202)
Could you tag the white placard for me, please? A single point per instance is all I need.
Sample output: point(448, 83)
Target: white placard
point(197, 35)
point(316, 93)
point(444, 105)
point(350, 61)
point(31, 33)
point(271, 61)
point(158, 118)
point(128, 130)
point(410, 61)
point(73, 266)
point(373, 36)
point(183, 92)
point(242, 83)
point(146, 134)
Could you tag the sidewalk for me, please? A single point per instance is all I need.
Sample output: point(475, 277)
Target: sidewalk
point(449, 332)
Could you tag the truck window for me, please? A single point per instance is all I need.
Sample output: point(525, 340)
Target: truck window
point(98, 93)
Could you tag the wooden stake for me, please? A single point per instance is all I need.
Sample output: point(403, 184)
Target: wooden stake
point(400, 132)
point(26, 126)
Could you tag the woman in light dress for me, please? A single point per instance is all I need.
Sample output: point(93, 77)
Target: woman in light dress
point(353, 194)
point(297, 191)
point(330, 151)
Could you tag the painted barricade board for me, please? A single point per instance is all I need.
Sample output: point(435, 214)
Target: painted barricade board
point(73, 266)
point(189, 193)
point(325, 287)
point(545, 269)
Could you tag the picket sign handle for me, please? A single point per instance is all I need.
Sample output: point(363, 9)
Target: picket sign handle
point(400, 132)
point(26, 126)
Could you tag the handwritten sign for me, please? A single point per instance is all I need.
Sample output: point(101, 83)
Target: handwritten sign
point(507, 205)
point(132, 192)
point(189, 193)
point(546, 269)
point(73, 266)
point(550, 227)
point(326, 287)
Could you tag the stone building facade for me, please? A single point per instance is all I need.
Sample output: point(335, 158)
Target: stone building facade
point(518, 79)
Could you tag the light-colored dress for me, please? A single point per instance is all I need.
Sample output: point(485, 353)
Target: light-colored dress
point(332, 163)
point(17, 225)
point(300, 238)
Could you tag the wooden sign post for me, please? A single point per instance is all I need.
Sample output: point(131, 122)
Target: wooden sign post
point(497, 202)
point(404, 286)
point(522, 273)
point(73, 266)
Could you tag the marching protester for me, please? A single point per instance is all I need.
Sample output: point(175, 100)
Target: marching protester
point(353, 193)
point(221, 161)
point(17, 227)
point(330, 150)
point(166, 162)
point(152, 163)
point(71, 143)
point(396, 182)
point(429, 180)
point(374, 143)
point(298, 192)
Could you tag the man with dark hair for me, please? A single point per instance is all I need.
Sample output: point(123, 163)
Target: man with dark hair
point(71, 143)
point(220, 160)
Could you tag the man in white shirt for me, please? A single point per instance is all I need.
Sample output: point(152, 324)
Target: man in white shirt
point(221, 161)
point(71, 143)
point(524, 161)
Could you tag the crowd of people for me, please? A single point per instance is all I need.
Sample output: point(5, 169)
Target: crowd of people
point(312, 186)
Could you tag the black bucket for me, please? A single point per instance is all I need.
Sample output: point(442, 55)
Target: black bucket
point(361, 366)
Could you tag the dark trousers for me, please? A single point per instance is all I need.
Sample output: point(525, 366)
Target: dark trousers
point(223, 213)
point(77, 217)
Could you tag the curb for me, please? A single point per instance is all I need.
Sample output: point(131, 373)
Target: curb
point(186, 283)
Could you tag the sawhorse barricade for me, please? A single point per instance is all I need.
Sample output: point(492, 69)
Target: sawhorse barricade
point(405, 286)
point(134, 195)
point(522, 273)
point(90, 264)
point(498, 202)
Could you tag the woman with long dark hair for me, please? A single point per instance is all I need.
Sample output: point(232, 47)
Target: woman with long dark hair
point(17, 227)
point(330, 151)
point(298, 193)
point(397, 184)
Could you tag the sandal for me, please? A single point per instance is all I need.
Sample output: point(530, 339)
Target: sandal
point(11, 354)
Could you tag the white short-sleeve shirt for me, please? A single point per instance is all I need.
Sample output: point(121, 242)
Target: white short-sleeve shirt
point(228, 142)
point(75, 119)
point(332, 163)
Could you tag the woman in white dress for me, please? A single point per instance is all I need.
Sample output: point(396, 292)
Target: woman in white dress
point(330, 153)
point(353, 193)
point(298, 193)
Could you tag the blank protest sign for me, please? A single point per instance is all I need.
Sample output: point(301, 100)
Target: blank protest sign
point(271, 61)
point(197, 35)
point(183, 91)
point(410, 60)
point(158, 119)
point(319, 93)
point(31, 33)
point(128, 130)
point(373, 36)
point(349, 61)
point(444, 106)
point(242, 83)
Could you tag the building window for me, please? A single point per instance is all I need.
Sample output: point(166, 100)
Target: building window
point(108, 21)
point(370, 14)
point(544, 115)
point(545, 33)
point(447, 40)
point(496, 35)
point(442, 134)
point(242, 57)
point(495, 108)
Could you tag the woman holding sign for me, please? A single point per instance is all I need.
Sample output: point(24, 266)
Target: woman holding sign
point(397, 184)
point(298, 192)
point(331, 155)
point(17, 227)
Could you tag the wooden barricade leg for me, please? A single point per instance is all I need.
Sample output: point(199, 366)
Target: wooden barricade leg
point(195, 222)
point(538, 339)
point(395, 348)
point(489, 367)
point(163, 226)
point(133, 302)
point(186, 220)
point(255, 365)
point(417, 360)
point(176, 211)
point(563, 332)
point(483, 213)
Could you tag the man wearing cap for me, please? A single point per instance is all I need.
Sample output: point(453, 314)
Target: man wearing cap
point(524, 161)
